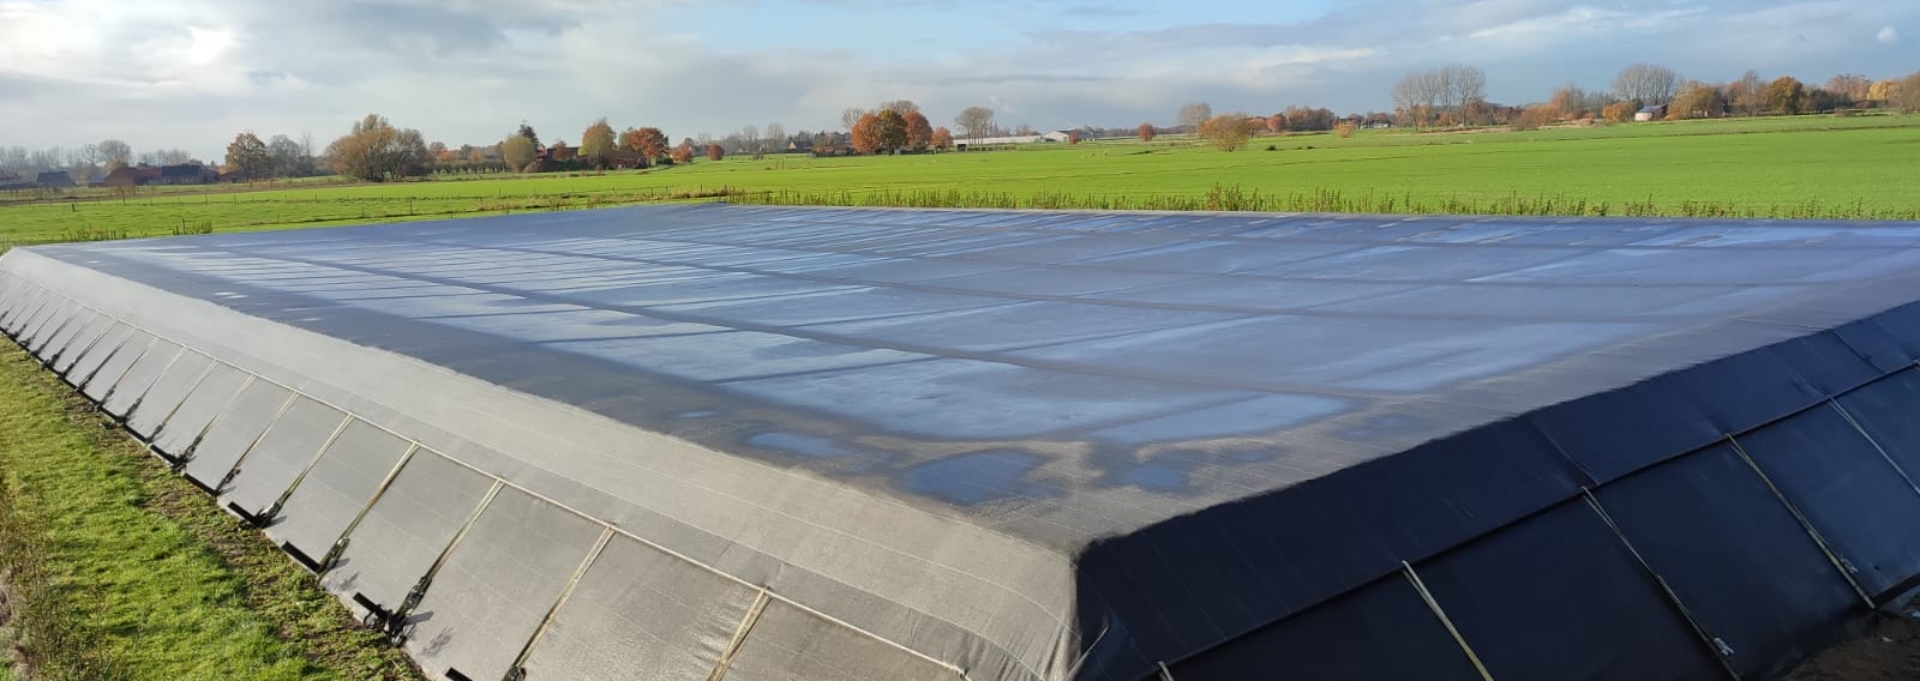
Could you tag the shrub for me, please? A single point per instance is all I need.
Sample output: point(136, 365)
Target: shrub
point(1620, 112)
point(1533, 118)
point(1227, 132)
point(1344, 130)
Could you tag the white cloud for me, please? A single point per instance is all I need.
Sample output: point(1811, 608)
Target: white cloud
point(190, 73)
point(1888, 35)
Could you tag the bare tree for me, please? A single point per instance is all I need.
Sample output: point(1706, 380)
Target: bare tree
point(776, 136)
point(84, 162)
point(899, 106)
point(1851, 86)
point(1467, 86)
point(975, 121)
point(1419, 96)
point(850, 116)
point(749, 138)
point(1193, 114)
point(166, 157)
point(115, 154)
point(1904, 94)
point(290, 158)
point(1747, 94)
point(1648, 84)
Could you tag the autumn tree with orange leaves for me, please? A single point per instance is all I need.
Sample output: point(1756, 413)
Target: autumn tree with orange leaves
point(919, 130)
point(1146, 132)
point(942, 138)
point(715, 153)
point(866, 135)
point(650, 143)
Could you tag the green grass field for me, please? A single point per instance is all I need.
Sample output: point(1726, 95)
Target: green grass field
point(1813, 166)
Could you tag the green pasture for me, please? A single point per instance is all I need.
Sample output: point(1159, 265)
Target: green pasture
point(1812, 166)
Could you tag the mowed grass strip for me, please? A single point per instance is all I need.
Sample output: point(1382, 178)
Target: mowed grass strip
point(1806, 166)
point(146, 574)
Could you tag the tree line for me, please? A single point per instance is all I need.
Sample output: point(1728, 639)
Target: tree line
point(1452, 95)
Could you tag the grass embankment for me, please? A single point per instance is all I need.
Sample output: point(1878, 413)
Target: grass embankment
point(122, 570)
point(1806, 167)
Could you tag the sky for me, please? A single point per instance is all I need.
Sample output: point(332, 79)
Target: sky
point(193, 73)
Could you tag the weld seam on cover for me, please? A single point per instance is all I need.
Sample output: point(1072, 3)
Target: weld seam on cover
point(386, 482)
point(1884, 456)
point(1805, 525)
point(237, 463)
point(740, 635)
point(1707, 639)
point(311, 462)
point(135, 404)
point(1441, 613)
point(566, 593)
point(175, 409)
point(152, 341)
point(499, 482)
point(194, 446)
point(104, 361)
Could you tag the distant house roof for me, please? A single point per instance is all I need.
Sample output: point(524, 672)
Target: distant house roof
point(128, 176)
point(186, 170)
point(54, 178)
point(1653, 108)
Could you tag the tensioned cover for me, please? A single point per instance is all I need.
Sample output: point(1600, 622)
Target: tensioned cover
point(679, 441)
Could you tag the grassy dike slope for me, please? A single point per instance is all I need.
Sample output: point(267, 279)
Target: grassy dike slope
point(121, 570)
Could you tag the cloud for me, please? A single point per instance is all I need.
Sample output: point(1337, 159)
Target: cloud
point(1888, 35)
point(191, 73)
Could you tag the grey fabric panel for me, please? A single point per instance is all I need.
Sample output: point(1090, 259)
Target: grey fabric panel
point(89, 337)
point(790, 644)
point(202, 403)
point(340, 484)
point(407, 528)
point(17, 321)
point(14, 297)
point(641, 613)
point(140, 378)
point(89, 361)
point(235, 431)
point(103, 380)
point(36, 336)
point(294, 440)
point(167, 392)
point(497, 585)
point(32, 321)
point(67, 335)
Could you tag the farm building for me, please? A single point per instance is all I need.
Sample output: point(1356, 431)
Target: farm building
point(53, 179)
point(1652, 112)
point(131, 176)
point(784, 443)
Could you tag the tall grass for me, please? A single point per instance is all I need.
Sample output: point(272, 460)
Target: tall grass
point(1235, 198)
point(42, 620)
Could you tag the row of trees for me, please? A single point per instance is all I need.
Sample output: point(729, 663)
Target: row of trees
point(252, 158)
point(899, 125)
point(1750, 95)
point(1440, 95)
point(84, 162)
point(1450, 95)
